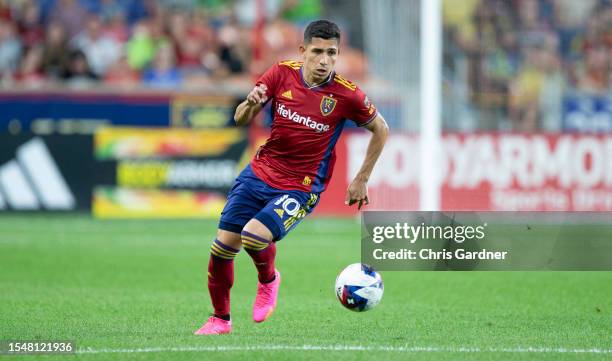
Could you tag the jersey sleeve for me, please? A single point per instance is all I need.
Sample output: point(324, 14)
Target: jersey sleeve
point(270, 80)
point(362, 110)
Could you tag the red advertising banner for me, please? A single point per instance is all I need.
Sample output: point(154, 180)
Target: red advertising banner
point(517, 172)
point(483, 171)
point(392, 186)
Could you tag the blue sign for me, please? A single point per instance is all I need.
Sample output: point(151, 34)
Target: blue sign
point(80, 113)
point(587, 113)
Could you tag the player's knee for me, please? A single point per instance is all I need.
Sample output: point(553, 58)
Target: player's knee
point(230, 239)
point(255, 226)
point(220, 250)
point(226, 245)
point(254, 241)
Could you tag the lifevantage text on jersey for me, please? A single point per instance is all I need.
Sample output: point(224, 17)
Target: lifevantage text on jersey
point(294, 116)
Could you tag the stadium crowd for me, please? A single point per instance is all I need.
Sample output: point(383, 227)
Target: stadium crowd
point(163, 44)
point(515, 59)
point(508, 64)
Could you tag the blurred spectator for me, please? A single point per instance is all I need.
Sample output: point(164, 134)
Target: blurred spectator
point(71, 14)
point(164, 72)
point(281, 39)
point(79, 74)
point(536, 93)
point(10, 48)
point(30, 27)
point(30, 72)
point(525, 93)
point(551, 95)
point(122, 75)
point(101, 50)
point(234, 51)
point(116, 28)
point(459, 19)
point(141, 47)
point(55, 53)
point(188, 45)
point(190, 54)
point(594, 74)
point(492, 60)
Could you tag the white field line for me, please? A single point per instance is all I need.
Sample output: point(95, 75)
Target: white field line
point(401, 349)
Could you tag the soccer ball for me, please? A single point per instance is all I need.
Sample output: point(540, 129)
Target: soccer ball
point(359, 287)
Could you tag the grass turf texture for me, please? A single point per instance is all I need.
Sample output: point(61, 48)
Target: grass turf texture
point(142, 284)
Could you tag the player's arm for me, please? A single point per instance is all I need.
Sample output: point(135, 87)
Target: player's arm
point(251, 106)
point(357, 191)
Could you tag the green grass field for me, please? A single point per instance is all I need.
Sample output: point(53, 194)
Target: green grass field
point(137, 290)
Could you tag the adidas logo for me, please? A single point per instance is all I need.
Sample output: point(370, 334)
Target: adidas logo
point(287, 94)
point(33, 181)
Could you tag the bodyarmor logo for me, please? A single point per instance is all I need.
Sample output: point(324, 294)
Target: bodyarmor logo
point(294, 116)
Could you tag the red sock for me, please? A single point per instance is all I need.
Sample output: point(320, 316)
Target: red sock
point(263, 253)
point(221, 277)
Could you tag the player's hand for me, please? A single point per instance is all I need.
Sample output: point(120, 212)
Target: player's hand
point(257, 95)
point(357, 192)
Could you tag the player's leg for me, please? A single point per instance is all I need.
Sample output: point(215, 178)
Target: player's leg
point(221, 271)
point(272, 223)
point(257, 240)
point(241, 206)
point(220, 281)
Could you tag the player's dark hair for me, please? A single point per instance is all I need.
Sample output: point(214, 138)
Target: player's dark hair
point(323, 29)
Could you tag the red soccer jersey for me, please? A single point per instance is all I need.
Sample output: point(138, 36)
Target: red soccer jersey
point(299, 154)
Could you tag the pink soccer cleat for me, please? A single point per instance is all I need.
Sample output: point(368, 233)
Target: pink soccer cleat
point(215, 326)
point(265, 302)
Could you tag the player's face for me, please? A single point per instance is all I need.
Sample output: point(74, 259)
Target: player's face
point(319, 58)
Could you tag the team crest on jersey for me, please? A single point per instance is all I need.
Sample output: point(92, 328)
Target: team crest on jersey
point(327, 105)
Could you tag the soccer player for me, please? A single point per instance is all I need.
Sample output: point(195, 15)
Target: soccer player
point(283, 181)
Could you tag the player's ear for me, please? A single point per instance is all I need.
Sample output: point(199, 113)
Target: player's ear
point(302, 49)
